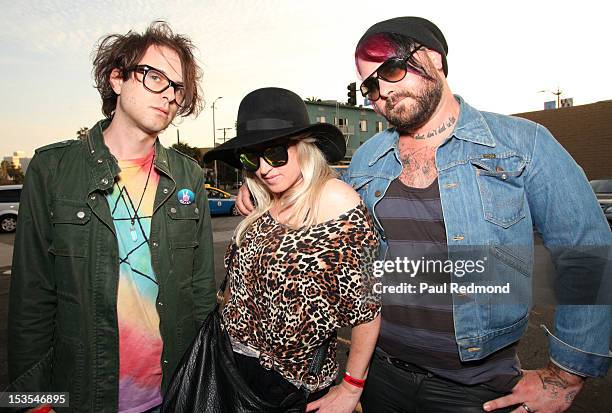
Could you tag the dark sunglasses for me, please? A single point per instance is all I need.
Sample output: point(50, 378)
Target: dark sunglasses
point(275, 156)
point(156, 81)
point(391, 70)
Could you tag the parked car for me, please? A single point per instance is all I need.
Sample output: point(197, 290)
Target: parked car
point(9, 207)
point(603, 191)
point(220, 202)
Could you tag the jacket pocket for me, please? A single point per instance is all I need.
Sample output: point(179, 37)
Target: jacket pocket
point(182, 229)
point(500, 184)
point(359, 182)
point(514, 257)
point(183, 222)
point(70, 245)
point(70, 230)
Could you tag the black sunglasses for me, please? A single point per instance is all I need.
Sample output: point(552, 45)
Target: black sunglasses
point(156, 81)
point(391, 70)
point(275, 156)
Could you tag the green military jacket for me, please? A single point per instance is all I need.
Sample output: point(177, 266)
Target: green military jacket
point(63, 331)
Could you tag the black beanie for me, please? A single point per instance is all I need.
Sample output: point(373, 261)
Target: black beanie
point(421, 30)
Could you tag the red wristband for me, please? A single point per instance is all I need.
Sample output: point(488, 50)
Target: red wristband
point(45, 408)
point(353, 381)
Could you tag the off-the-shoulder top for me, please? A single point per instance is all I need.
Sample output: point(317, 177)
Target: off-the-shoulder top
point(291, 289)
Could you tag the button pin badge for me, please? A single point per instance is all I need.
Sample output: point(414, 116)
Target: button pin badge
point(185, 196)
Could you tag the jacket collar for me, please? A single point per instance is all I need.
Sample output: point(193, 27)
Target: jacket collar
point(471, 127)
point(104, 165)
point(387, 141)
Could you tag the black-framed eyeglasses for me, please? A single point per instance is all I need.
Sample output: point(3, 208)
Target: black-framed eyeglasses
point(391, 70)
point(275, 156)
point(156, 81)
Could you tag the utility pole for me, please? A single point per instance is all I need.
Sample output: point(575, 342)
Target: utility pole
point(224, 131)
point(178, 137)
point(214, 138)
point(557, 93)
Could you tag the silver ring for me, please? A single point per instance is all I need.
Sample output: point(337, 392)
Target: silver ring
point(527, 409)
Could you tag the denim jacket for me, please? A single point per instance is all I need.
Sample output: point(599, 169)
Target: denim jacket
point(499, 176)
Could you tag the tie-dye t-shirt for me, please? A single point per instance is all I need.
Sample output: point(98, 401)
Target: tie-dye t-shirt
point(140, 343)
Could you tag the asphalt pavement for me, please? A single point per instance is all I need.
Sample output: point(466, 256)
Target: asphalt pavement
point(596, 395)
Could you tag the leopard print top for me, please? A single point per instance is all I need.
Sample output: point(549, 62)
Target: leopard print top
point(292, 289)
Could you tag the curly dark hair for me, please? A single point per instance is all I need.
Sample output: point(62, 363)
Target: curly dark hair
point(118, 51)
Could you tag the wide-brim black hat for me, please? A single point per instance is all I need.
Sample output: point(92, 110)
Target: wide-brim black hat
point(273, 114)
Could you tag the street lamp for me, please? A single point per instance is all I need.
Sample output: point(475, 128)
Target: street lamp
point(214, 139)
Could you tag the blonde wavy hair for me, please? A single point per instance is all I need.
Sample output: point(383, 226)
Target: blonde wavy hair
point(303, 197)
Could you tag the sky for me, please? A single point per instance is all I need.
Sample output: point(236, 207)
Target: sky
point(501, 55)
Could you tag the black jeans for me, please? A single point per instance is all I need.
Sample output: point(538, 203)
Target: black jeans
point(393, 389)
point(268, 384)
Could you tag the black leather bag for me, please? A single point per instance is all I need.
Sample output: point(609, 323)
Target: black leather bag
point(208, 381)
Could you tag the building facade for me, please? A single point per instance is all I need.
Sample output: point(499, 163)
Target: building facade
point(585, 131)
point(19, 160)
point(358, 124)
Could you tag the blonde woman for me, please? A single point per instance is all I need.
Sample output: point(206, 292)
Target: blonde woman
point(302, 262)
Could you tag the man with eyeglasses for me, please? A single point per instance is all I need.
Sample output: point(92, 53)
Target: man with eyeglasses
point(448, 182)
point(113, 264)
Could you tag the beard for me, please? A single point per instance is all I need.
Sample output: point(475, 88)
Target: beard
point(408, 118)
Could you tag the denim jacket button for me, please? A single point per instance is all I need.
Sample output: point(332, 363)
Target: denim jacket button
point(377, 194)
point(80, 215)
point(165, 190)
point(173, 210)
point(504, 177)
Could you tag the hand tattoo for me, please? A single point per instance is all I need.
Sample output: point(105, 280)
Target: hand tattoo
point(555, 383)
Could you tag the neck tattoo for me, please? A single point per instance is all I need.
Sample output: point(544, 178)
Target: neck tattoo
point(435, 132)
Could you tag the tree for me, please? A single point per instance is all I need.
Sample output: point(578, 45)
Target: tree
point(15, 173)
point(82, 133)
point(4, 177)
point(313, 99)
point(189, 151)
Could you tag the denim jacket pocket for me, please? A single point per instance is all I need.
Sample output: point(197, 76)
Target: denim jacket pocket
point(500, 184)
point(360, 182)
